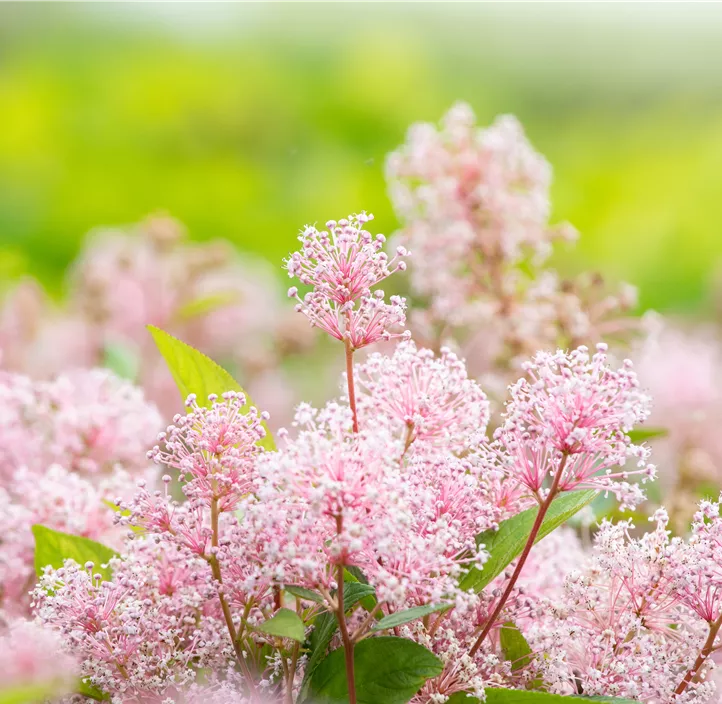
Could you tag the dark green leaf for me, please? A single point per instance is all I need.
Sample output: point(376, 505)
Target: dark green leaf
point(195, 373)
point(302, 593)
point(326, 625)
point(388, 669)
point(514, 646)
point(642, 434)
point(284, 624)
point(53, 547)
point(505, 544)
point(401, 617)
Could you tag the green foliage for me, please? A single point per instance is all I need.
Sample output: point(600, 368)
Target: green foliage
point(52, 547)
point(641, 434)
point(284, 624)
point(326, 625)
point(388, 669)
point(401, 617)
point(195, 373)
point(507, 543)
point(514, 646)
point(303, 593)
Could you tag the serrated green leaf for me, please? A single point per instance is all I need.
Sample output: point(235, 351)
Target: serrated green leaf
point(388, 669)
point(52, 547)
point(195, 373)
point(514, 646)
point(514, 696)
point(121, 360)
point(302, 593)
point(284, 624)
point(642, 434)
point(401, 617)
point(206, 304)
point(505, 544)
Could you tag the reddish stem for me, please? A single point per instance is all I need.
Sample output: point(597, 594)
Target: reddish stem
point(553, 491)
point(706, 651)
point(349, 381)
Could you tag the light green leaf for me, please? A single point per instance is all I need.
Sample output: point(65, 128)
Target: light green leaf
point(302, 593)
point(642, 434)
point(121, 360)
point(53, 547)
point(285, 624)
point(123, 512)
point(88, 690)
point(401, 617)
point(195, 373)
point(388, 669)
point(206, 304)
point(514, 646)
point(505, 544)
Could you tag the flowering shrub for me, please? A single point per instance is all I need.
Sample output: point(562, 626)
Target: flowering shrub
point(401, 543)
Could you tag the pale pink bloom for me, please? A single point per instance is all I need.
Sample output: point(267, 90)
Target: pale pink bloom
point(342, 264)
point(426, 399)
point(213, 448)
point(574, 409)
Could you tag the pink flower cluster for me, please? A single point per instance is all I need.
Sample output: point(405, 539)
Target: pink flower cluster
point(474, 207)
point(342, 264)
point(568, 419)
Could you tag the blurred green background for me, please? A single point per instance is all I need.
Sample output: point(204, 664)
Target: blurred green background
point(247, 121)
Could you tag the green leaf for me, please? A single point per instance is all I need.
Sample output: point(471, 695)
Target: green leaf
point(195, 373)
point(355, 592)
point(514, 696)
point(121, 360)
point(388, 669)
point(206, 304)
point(89, 690)
point(505, 544)
point(53, 547)
point(325, 626)
point(463, 698)
point(302, 593)
point(514, 646)
point(123, 512)
point(401, 617)
point(285, 624)
point(642, 434)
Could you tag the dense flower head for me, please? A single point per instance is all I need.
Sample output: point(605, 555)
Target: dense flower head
point(142, 634)
point(213, 448)
point(342, 264)
point(431, 399)
point(33, 659)
point(571, 415)
point(623, 627)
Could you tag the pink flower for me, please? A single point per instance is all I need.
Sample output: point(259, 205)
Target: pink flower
point(214, 449)
point(429, 400)
point(342, 264)
point(571, 415)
